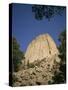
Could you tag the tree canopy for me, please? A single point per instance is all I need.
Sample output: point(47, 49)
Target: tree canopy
point(47, 12)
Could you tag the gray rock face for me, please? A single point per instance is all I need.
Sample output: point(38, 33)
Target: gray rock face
point(41, 61)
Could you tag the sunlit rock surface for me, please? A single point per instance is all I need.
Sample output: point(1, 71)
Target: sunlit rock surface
point(42, 46)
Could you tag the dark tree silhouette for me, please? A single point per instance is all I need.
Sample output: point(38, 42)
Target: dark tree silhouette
point(62, 49)
point(60, 77)
point(17, 55)
point(44, 11)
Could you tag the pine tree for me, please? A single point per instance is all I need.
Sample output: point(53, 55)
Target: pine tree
point(17, 55)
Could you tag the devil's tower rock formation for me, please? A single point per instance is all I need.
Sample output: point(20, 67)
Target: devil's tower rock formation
point(42, 46)
point(41, 61)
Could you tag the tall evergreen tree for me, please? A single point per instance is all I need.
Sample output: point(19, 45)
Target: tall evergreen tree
point(17, 55)
point(60, 77)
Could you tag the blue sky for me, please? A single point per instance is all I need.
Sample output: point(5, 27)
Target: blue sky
point(25, 27)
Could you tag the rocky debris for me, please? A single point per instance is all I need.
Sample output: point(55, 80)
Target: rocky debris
point(37, 75)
